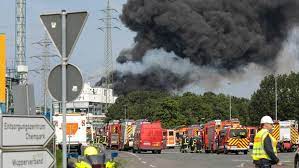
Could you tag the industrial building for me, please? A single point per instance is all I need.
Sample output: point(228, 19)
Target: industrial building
point(92, 100)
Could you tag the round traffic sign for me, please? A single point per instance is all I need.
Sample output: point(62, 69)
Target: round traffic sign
point(74, 82)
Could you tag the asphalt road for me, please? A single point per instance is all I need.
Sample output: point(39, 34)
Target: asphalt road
point(172, 158)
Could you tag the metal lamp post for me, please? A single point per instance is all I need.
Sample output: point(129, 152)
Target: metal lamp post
point(230, 104)
point(276, 97)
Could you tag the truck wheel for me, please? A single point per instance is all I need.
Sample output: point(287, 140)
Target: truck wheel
point(245, 152)
point(138, 151)
point(159, 151)
point(154, 152)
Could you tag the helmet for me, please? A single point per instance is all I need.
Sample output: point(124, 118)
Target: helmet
point(90, 150)
point(267, 120)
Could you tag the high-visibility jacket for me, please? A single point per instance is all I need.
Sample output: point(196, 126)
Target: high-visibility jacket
point(258, 146)
point(110, 164)
point(82, 164)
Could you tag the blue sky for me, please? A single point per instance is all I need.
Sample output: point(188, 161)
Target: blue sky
point(88, 53)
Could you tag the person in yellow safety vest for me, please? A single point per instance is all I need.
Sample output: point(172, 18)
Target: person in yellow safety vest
point(110, 164)
point(82, 164)
point(264, 152)
point(90, 150)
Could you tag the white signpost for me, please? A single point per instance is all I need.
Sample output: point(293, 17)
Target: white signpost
point(26, 159)
point(25, 131)
point(23, 140)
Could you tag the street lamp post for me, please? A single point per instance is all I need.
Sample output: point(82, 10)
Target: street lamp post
point(230, 107)
point(230, 104)
point(125, 112)
point(276, 96)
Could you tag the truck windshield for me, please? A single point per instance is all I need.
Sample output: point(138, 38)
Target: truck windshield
point(238, 133)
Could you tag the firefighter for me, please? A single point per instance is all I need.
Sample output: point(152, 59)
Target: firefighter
point(184, 144)
point(192, 144)
point(198, 144)
point(265, 146)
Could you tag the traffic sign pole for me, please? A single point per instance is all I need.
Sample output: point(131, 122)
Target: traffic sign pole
point(64, 63)
point(64, 29)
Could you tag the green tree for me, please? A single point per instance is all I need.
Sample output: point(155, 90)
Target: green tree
point(263, 100)
point(173, 111)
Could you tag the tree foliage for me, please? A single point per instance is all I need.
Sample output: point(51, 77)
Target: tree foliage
point(263, 100)
point(189, 108)
point(175, 110)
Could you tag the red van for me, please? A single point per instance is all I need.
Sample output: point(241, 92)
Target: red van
point(148, 137)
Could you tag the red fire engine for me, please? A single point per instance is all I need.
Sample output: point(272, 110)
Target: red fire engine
point(233, 139)
point(210, 134)
point(194, 131)
point(114, 134)
point(226, 136)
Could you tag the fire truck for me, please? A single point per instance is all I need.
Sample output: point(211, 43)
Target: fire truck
point(113, 134)
point(225, 136)
point(169, 136)
point(210, 134)
point(286, 133)
point(128, 128)
point(194, 131)
point(233, 139)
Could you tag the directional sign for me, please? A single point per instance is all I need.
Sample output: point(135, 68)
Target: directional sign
point(74, 82)
point(26, 159)
point(25, 131)
point(74, 25)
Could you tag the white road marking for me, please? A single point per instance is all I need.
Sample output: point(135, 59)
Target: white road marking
point(287, 161)
point(241, 165)
point(170, 152)
point(236, 160)
point(139, 158)
point(132, 154)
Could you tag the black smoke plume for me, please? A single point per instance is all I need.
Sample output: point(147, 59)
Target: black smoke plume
point(154, 79)
point(223, 34)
